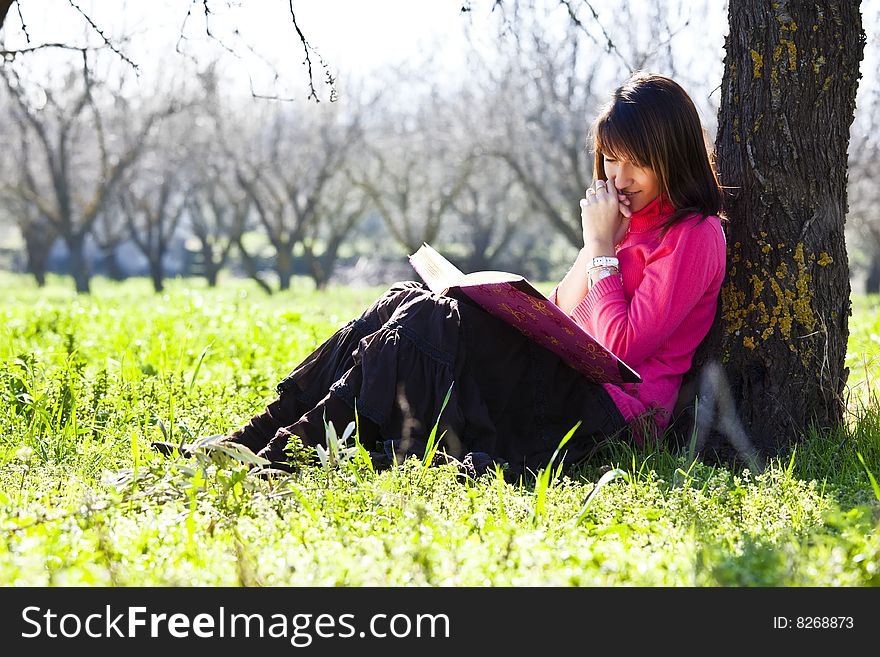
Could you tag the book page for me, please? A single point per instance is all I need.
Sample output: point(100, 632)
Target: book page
point(438, 273)
point(480, 277)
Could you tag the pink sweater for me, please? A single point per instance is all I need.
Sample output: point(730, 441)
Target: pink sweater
point(657, 317)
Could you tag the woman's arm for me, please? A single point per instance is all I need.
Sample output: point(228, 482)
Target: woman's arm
point(574, 287)
point(604, 219)
point(677, 277)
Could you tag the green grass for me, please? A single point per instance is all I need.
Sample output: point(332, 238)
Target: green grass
point(87, 382)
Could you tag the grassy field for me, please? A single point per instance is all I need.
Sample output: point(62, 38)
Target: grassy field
point(87, 382)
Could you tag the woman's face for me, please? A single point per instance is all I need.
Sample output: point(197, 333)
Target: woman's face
point(640, 184)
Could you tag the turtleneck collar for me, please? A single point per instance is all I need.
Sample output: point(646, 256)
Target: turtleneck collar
point(652, 215)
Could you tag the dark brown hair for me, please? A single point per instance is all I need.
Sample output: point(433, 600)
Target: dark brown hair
point(651, 122)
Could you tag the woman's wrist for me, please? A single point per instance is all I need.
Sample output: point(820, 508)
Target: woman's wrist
point(600, 261)
point(597, 273)
point(595, 248)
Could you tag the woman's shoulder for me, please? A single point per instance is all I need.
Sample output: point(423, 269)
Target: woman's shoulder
point(698, 228)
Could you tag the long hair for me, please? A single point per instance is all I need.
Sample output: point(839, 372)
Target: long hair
point(651, 122)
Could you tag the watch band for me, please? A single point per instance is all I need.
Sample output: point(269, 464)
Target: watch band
point(605, 261)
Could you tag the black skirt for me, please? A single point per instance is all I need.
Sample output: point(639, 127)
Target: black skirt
point(510, 401)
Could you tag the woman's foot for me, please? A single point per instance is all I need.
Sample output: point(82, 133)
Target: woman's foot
point(275, 451)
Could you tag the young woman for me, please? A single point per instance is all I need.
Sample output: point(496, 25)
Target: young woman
point(645, 283)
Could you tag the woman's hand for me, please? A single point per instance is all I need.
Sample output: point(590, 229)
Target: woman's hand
point(605, 214)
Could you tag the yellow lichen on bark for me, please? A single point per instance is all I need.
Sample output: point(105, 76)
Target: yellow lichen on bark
point(757, 63)
point(792, 54)
point(788, 309)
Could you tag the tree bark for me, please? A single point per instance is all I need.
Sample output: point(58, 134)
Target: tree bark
point(787, 101)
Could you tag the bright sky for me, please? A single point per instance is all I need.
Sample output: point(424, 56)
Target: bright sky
point(355, 37)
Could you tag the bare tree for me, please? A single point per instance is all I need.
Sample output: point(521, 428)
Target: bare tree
point(152, 209)
point(542, 95)
point(216, 208)
point(217, 211)
point(36, 229)
point(488, 215)
point(109, 233)
point(76, 166)
point(419, 165)
point(342, 207)
point(864, 216)
point(863, 191)
point(289, 174)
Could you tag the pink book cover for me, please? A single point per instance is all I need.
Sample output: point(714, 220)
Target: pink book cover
point(514, 300)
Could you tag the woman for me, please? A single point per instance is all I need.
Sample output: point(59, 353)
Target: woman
point(645, 283)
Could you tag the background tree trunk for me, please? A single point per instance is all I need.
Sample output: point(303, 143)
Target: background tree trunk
point(787, 101)
point(79, 263)
point(38, 239)
point(872, 282)
point(157, 276)
point(110, 262)
point(210, 268)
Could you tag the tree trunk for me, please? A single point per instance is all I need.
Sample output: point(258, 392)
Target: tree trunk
point(210, 273)
point(787, 101)
point(79, 264)
point(284, 268)
point(157, 276)
point(321, 266)
point(210, 267)
point(320, 274)
point(111, 264)
point(37, 259)
point(872, 282)
point(250, 266)
point(39, 237)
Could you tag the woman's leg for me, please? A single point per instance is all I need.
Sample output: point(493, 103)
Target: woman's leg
point(397, 379)
point(509, 400)
point(308, 384)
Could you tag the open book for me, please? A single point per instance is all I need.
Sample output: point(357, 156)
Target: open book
point(513, 299)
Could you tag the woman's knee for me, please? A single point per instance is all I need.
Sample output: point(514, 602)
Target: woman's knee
point(392, 298)
point(405, 287)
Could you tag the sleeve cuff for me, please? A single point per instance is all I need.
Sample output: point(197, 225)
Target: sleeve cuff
point(612, 285)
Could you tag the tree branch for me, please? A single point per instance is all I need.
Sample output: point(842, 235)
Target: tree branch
point(609, 43)
point(329, 79)
point(103, 36)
